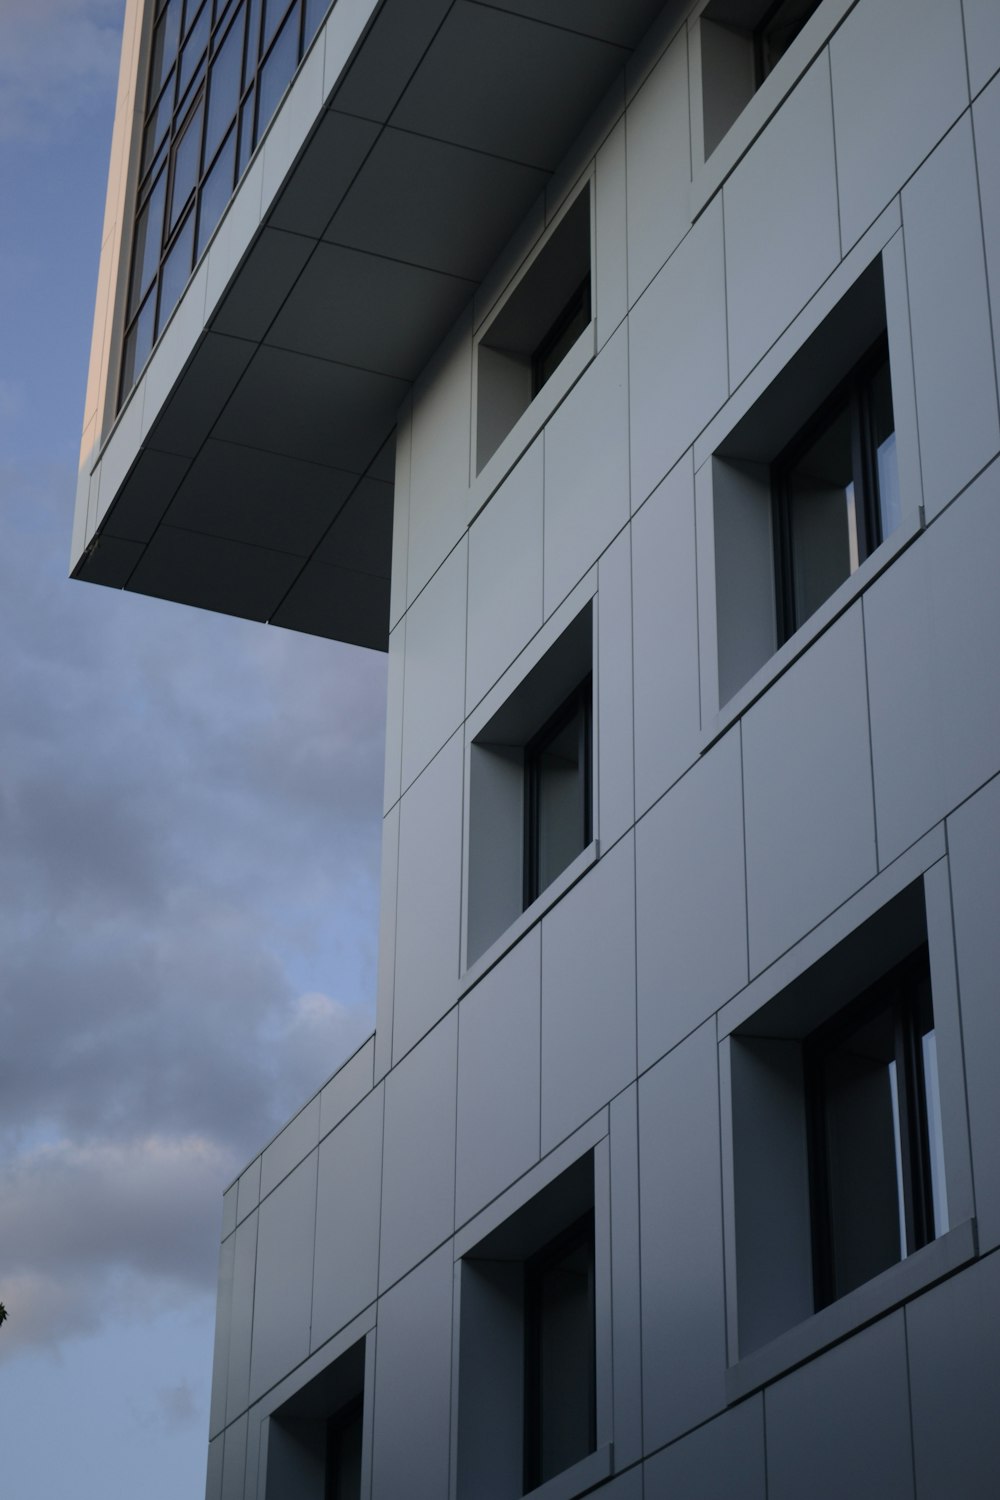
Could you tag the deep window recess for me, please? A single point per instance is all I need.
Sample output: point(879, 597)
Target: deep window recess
point(557, 792)
point(836, 492)
point(837, 1146)
point(527, 1355)
point(805, 485)
point(742, 42)
point(537, 324)
point(315, 1439)
point(531, 787)
point(211, 63)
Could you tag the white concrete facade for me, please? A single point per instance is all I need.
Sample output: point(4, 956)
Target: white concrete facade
point(776, 822)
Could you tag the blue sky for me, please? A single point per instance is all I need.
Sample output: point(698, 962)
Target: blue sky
point(189, 834)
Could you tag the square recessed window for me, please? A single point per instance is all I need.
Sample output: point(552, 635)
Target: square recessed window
point(531, 787)
point(741, 43)
point(527, 1395)
point(533, 330)
point(315, 1439)
point(838, 1152)
point(805, 486)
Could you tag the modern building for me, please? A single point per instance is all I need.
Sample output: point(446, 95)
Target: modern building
point(628, 372)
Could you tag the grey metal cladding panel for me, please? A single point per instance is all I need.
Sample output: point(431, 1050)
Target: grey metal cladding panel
point(413, 1384)
point(145, 495)
point(283, 1287)
point(665, 636)
point(347, 1087)
point(586, 470)
point(209, 380)
point(229, 1215)
point(974, 850)
point(982, 38)
point(329, 311)
point(290, 1146)
point(658, 154)
point(615, 740)
point(312, 409)
point(986, 127)
point(110, 562)
point(266, 277)
point(434, 672)
point(505, 574)
point(588, 995)
point(899, 79)
point(678, 374)
point(461, 91)
point(338, 603)
point(626, 1311)
point(223, 1326)
point(213, 572)
point(622, 23)
point(782, 231)
point(429, 897)
point(360, 538)
point(931, 626)
point(691, 927)
point(397, 39)
point(323, 173)
point(348, 1198)
point(234, 1460)
point(683, 1292)
point(434, 204)
point(722, 1460)
point(418, 1159)
point(264, 499)
point(840, 1425)
point(499, 1078)
point(810, 828)
point(955, 1384)
point(241, 1327)
point(248, 1189)
point(953, 362)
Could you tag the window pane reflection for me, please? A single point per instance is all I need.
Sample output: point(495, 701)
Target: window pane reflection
point(176, 270)
point(216, 192)
point(823, 517)
point(276, 72)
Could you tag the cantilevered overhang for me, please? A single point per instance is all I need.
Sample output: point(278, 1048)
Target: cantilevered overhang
point(251, 469)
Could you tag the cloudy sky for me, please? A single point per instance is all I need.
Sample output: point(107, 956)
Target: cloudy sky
point(189, 825)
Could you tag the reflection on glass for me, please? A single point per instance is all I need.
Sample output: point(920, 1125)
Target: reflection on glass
point(276, 72)
point(176, 270)
point(187, 158)
point(194, 49)
point(216, 192)
point(778, 30)
point(246, 133)
point(315, 11)
point(253, 41)
point(148, 238)
point(274, 11)
point(166, 35)
point(139, 343)
point(224, 87)
point(158, 126)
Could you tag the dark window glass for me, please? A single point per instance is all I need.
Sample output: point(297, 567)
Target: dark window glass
point(343, 1453)
point(176, 270)
point(224, 86)
point(559, 1354)
point(558, 792)
point(193, 50)
point(186, 161)
point(253, 41)
point(216, 191)
point(138, 343)
point(274, 12)
point(877, 1158)
point(148, 239)
point(778, 30)
point(158, 126)
point(246, 134)
point(166, 35)
point(315, 11)
point(560, 338)
point(276, 71)
point(836, 491)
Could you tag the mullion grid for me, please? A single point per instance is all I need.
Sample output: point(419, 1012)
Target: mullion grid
point(196, 94)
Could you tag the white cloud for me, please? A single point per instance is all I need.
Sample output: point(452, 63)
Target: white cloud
point(58, 58)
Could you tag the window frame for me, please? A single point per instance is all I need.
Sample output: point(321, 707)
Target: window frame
point(855, 392)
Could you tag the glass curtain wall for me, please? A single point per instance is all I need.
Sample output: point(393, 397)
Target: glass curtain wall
point(217, 71)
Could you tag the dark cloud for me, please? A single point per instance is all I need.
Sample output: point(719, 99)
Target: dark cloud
point(189, 844)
